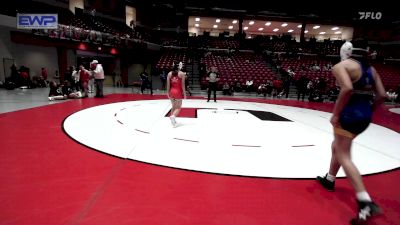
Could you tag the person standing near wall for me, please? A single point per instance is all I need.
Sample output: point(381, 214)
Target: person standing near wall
point(212, 83)
point(98, 73)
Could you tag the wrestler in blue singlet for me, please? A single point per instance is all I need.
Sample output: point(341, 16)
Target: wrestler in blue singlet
point(357, 114)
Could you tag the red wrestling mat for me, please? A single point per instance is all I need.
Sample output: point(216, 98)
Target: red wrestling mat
point(47, 178)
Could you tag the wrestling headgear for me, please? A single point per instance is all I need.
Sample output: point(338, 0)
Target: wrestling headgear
point(347, 49)
point(180, 65)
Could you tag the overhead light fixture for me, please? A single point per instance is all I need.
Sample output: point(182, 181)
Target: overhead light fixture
point(316, 27)
point(267, 23)
point(215, 26)
point(217, 20)
point(260, 29)
point(338, 32)
point(290, 31)
point(251, 22)
point(306, 31)
point(322, 32)
point(230, 27)
point(197, 25)
point(275, 30)
point(197, 19)
point(300, 26)
point(284, 24)
point(248, 37)
point(335, 28)
point(245, 28)
point(234, 21)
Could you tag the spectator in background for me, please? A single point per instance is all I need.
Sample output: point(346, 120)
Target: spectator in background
point(14, 74)
point(262, 89)
point(163, 78)
point(113, 76)
point(290, 72)
point(310, 87)
point(237, 86)
point(212, 83)
point(391, 95)
point(91, 86)
point(56, 92)
point(75, 78)
point(44, 74)
point(98, 73)
point(226, 89)
point(56, 75)
point(286, 86)
point(132, 24)
point(301, 86)
point(144, 81)
point(84, 79)
point(269, 87)
point(249, 85)
point(187, 86)
point(277, 86)
point(25, 81)
point(118, 80)
point(333, 93)
point(68, 74)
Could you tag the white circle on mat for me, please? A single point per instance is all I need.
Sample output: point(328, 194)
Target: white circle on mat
point(395, 110)
point(224, 138)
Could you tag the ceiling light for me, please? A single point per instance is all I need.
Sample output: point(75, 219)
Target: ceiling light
point(338, 32)
point(217, 20)
point(234, 21)
point(215, 26)
point(316, 27)
point(335, 28)
point(290, 31)
point(197, 25)
point(322, 32)
point(306, 31)
point(260, 29)
point(230, 27)
point(284, 24)
point(275, 30)
point(251, 22)
point(299, 26)
point(197, 19)
point(267, 23)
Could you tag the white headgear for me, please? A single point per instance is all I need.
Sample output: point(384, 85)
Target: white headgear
point(180, 65)
point(346, 50)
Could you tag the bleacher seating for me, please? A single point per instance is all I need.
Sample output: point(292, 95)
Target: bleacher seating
point(390, 75)
point(239, 65)
point(301, 66)
point(170, 56)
